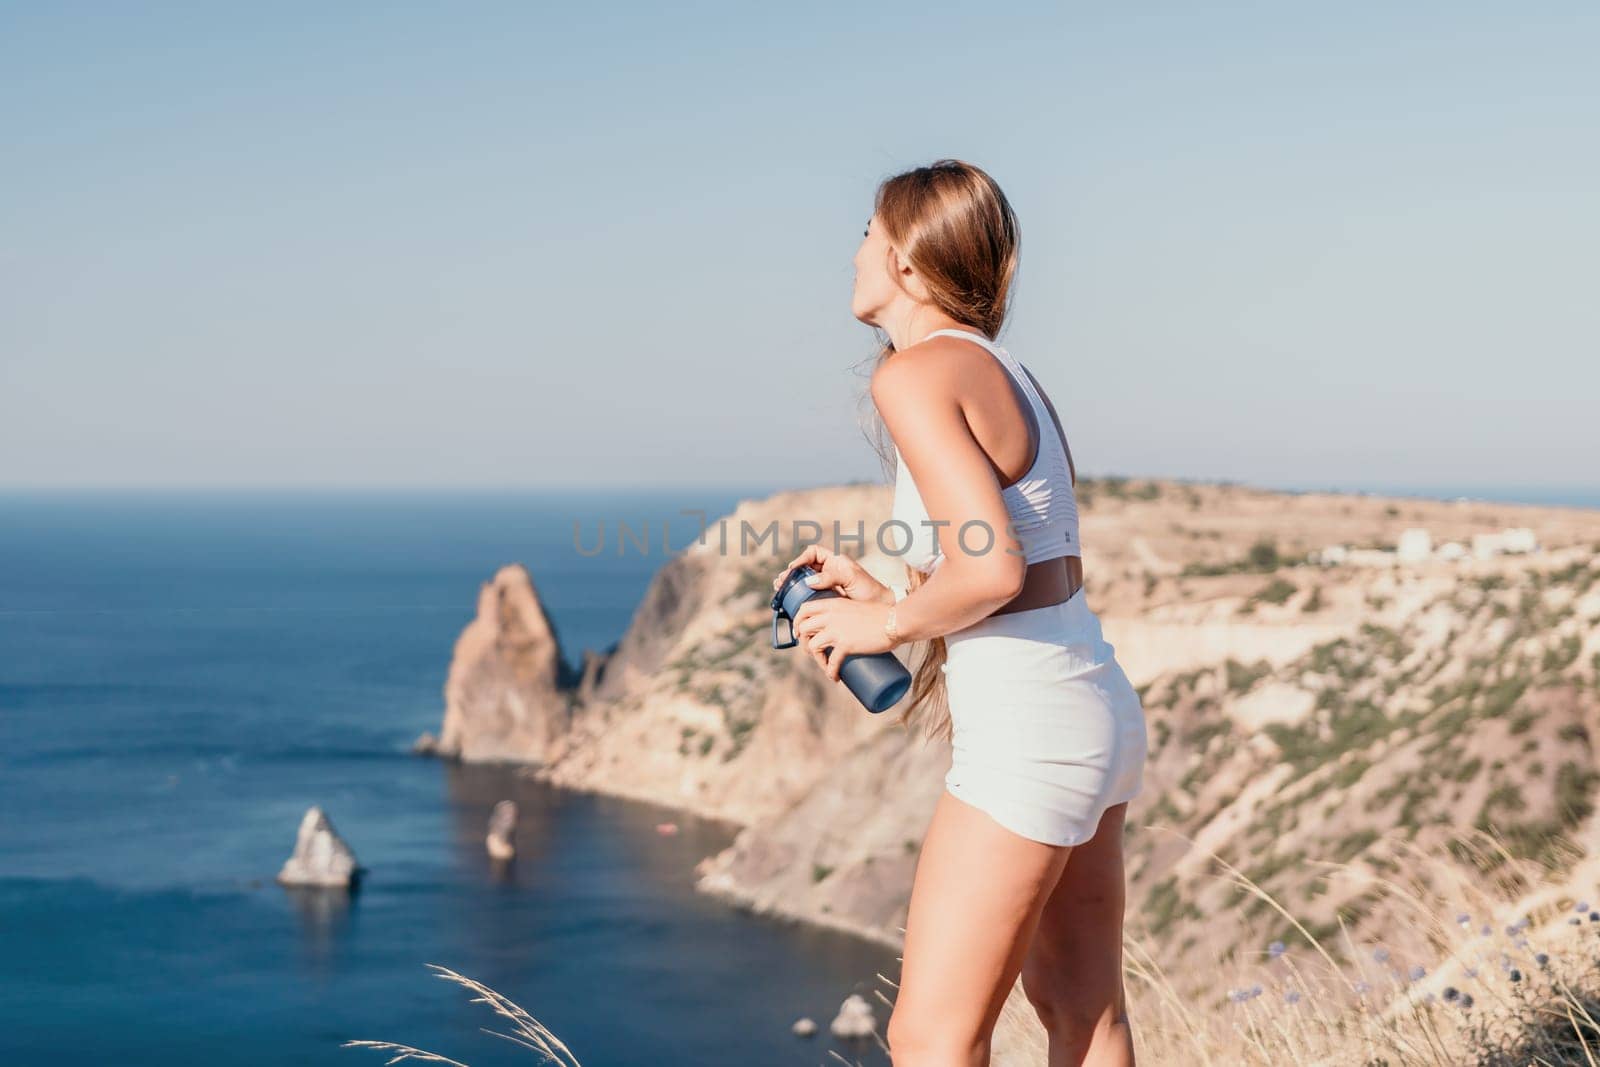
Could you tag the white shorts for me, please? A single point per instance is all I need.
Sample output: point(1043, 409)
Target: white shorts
point(1048, 731)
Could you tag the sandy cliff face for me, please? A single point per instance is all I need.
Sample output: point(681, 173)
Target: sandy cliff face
point(844, 853)
point(1298, 713)
point(695, 708)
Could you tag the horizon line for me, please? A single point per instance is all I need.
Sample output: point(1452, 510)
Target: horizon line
point(1399, 489)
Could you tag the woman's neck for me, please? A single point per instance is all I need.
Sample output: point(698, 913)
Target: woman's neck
point(918, 324)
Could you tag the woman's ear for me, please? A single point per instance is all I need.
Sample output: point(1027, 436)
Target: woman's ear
point(907, 277)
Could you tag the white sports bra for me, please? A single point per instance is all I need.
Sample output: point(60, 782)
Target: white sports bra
point(1042, 506)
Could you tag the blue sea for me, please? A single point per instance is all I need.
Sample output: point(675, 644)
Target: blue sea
point(183, 673)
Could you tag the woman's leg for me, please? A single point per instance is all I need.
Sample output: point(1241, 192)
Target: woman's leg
point(1073, 970)
point(975, 900)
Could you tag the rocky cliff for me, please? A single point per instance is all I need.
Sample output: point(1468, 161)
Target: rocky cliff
point(692, 707)
point(1299, 712)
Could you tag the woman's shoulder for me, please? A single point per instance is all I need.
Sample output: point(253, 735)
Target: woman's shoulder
point(928, 369)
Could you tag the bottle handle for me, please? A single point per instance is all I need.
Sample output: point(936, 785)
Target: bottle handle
point(793, 640)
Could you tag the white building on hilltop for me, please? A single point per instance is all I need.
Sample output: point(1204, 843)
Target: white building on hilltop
point(1415, 545)
point(1513, 540)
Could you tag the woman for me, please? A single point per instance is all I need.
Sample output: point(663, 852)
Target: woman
point(1021, 870)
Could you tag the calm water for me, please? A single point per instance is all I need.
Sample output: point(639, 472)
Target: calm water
point(181, 675)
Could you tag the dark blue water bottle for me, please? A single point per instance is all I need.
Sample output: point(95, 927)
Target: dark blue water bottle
point(877, 680)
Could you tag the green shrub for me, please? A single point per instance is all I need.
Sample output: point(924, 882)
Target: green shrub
point(1277, 591)
point(1263, 555)
point(1241, 678)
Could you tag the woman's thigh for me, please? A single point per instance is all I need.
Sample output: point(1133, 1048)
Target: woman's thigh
point(1073, 967)
point(976, 898)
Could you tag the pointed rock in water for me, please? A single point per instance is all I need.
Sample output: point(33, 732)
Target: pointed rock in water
point(321, 858)
point(502, 830)
point(854, 1019)
point(425, 744)
point(509, 693)
point(804, 1027)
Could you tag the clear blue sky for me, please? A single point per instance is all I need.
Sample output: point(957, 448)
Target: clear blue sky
point(480, 244)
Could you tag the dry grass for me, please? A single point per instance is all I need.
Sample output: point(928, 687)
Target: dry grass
point(529, 1032)
point(1493, 970)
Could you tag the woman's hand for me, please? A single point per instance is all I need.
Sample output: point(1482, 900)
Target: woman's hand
point(839, 572)
point(831, 628)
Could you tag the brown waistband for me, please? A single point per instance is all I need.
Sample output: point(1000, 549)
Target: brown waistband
point(1049, 581)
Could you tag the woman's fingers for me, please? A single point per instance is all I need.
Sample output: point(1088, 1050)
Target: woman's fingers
point(818, 642)
point(812, 625)
point(835, 663)
point(824, 579)
point(811, 554)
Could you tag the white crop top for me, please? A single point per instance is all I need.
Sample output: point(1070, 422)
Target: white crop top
point(1042, 506)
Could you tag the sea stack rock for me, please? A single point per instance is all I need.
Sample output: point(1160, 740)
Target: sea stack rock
point(509, 692)
point(321, 858)
point(854, 1019)
point(502, 830)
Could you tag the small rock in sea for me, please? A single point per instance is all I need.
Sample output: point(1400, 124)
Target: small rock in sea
point(502, 830)
point(425, 745)
point(854, 1019)
point(321, 858)
point(804, 1027)
point(666, 827)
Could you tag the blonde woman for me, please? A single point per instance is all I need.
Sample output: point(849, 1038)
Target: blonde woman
point(1021, 870)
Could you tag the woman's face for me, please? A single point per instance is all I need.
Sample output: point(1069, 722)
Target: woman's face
point(875, 288)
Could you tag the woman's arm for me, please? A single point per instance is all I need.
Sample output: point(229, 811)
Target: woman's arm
point(983, 568)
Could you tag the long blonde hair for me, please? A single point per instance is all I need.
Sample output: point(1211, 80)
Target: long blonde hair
point(952, 224)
